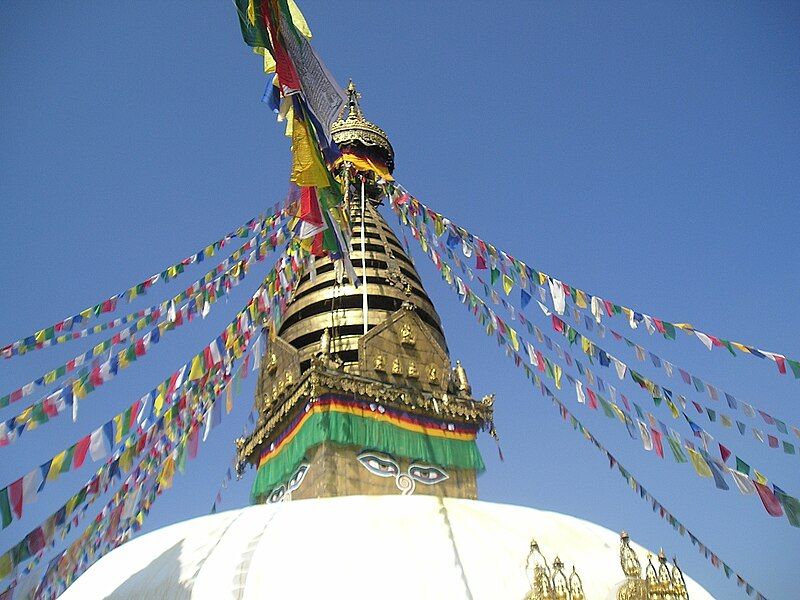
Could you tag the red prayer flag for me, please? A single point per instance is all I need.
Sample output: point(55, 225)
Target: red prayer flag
point(781, 362)
point(558, 324)
point(480, 263)
point(592, 398)
point(724, 453)
point(35, 540)
point(80, 452)
point(656, 435)
point(771, 503)
point(95, 378)
point(15, 497)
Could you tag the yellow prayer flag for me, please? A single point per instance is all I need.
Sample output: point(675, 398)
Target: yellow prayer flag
point(699, 464)
point(307, 169)
point(118, 428)
point(50, 377)
point(251, 12)
point(126, 459)
point(557, 375)
point(269, 62)
point(167, 473)
point(228, 400)
point(197, 370)
point(78, 390)
point(508, 284)
point(514, 340)
point(55, 466)
point(158, 404)
point(673, 409)
point(298, 19)
point(366, 164)
point(759, 477)
point(6, 564)
point(580, 299)
point(71, 504)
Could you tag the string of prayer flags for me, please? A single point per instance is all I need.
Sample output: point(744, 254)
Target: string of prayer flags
point(126, 511)
point(704, 464)
point(523, 275)
point(220, 279)
point(538, 361)
point(63, 398)
point(45, 337)
point(161, 431)
point(658, 394)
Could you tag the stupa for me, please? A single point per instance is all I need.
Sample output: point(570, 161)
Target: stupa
point(366, 461)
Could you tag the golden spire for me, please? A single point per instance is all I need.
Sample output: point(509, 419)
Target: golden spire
point(354, 131)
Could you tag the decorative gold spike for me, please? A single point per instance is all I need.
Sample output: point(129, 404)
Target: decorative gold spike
point(538, 574)
point(576, 586)
point(560, 584)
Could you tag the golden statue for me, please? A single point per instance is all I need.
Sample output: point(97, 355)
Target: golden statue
point(412, 370)
point(325, 343)
point(461, 379)
point(397, 368)
point(380, 363)
point(407, 337)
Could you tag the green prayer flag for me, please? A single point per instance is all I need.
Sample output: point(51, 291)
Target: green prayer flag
point(5, 507)
point(676, 450)
point(38, 415)
point(66, 464)
point(669, 330)
point(795, 366)
point(495, 274)
point(126, 421)
point(606, 407)
point(788, 448)
point(791, 507)
point(742, 466)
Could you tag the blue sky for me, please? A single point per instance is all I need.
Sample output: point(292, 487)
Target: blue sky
point(645, 152)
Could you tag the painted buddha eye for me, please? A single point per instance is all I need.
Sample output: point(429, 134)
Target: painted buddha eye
point(297, 478)
point(427, 474)
point(379, 464)
point(277, 494)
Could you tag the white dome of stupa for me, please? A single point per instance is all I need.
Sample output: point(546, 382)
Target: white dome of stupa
point(355, 547)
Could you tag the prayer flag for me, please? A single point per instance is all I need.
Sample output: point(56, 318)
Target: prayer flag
point(771, 504)
point(699, 464)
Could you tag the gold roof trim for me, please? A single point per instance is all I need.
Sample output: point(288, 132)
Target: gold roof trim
point(320, 379)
